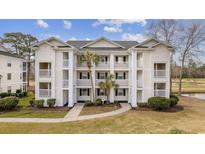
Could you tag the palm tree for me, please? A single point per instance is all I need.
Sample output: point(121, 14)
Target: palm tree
point(108, 84)
point(91, 59)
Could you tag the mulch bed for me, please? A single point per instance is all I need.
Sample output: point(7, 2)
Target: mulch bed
point(176, 108)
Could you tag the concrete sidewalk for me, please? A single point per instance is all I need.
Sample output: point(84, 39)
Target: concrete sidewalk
point(73, 115)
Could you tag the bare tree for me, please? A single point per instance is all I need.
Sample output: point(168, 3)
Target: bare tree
point(191, 39)
point(165, 30)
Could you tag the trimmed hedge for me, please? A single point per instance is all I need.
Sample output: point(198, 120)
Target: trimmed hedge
point(98, 101)
point(8, 103)
point(159, 103)
point(3, 95)
point(32, 103)
point(51, 102)
point(39, 103)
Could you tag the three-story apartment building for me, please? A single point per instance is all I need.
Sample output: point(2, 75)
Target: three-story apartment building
point(141, 70)
point(13, 72)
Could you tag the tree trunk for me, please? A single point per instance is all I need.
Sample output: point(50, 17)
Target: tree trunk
point(171, 60)
point(93, 93)
point(107, 92)
point(181, 76)
point(28, 73)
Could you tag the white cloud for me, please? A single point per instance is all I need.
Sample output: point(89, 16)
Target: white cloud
point(67, 24)
point(42, 23)
point(133, 37)
point(112, 29)
point(72, 39)
point(115, 25)
point(87, 39)
point(45, 36)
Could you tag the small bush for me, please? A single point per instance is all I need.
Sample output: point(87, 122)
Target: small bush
point(24, 93)
point(173, 102)
point(8, 103)
point(89, 103)
point(39, 103)
point(98, 101)
point(18, 91)
point(32, 103)
point(19, 95)
point(159, 103)
point(174, 96)
point(51, 102)
point(177, 131)
point(2, 95)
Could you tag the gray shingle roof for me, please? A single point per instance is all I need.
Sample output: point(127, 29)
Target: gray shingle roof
point(126, 44)
point(4, 52)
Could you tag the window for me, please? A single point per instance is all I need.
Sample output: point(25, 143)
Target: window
point(9, 89)
point(9, 76)
point(102, 75)
point(100, 92)
point(9, 64)
point(103, 59)
point(84, 75)
point(121, 59)
point(120, 75)
point(160, 89)
point(120, 92)
point(84, 92)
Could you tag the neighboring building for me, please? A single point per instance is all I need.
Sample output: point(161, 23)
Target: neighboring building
point(141, 70)
point(13, 72)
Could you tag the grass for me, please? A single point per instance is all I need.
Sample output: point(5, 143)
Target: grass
point(189, 120)
point(88, 110)
point(23, 111)
point(190, 85)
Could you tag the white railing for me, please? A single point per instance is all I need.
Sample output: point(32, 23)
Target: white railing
point(65, 62)
point(139, 83)
point(121, 64)
point(83, 82)
point(121, 98)
point(159, 73)
point(122, 82)
point(44, 92)
point(103, 65)
point(45, 73)
point(160, 92)
point(65, 83)
point(83, 98)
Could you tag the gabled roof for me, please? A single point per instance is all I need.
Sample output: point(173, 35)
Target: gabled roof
point(5, 52)
point(50, 39)
point(102, 38)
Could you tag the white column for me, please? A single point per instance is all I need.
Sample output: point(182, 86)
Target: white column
point(93, 75)
point(134, 84)
point(112, 63)
point(70, 95)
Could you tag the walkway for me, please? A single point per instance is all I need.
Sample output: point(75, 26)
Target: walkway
point(73, 115)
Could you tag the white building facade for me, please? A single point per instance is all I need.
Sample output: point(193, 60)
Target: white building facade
point(13, 72)
point(141, 70)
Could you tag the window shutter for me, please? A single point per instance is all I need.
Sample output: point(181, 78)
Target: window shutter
point(116, 75)
point(80, 75)
point(116, 92)
point(98, 75)
point(123, 92)
point(80, 92)
point(88, 75)
point(124, 75)
point(88, 92)
point(106, 75)
point(116, 58)
point(124, 58)
point(106, 58)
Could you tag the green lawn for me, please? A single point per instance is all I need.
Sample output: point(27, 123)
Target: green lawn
point(189, 120)
point(23, 111)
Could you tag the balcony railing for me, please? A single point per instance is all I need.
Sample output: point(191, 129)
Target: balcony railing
point(121, 64)
point(44, 92)
point(160, 73)
point(45, 73)
point(161, 92)
point(122, 82)
point(139, 83)
point(65, 83)
point(65, 62)
point(103, 65)
point(83, 82)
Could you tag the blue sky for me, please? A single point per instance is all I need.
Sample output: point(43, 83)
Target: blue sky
point(77, 29)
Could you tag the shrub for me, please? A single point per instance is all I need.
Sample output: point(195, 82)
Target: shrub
point(39, 103)
point(159, 103)
point(12, 94)
point(177, 131)
point(89, 103)
point(20, 95)
point(51, 102)
point(174, 96)
point(18, 91)
point(2, 95)
point(32, 103)
point(8, 103)
point(98, 101)
point(24, 93)
point(173, 102)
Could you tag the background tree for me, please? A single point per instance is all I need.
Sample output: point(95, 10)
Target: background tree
point(108, 84)
point(91, 59)
point(20, 43)
point(191, 39)
point(165, 30)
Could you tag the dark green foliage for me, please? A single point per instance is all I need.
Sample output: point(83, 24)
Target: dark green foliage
point(89, 103)
point(24, 93)
point(98, 101)
point(18, 91)
point(8, 103)
point(159, 103)
point(32, 103)
point(39, 103)
point(174, 96)
point(173, 102)
point(2, 95)
point(51, 102)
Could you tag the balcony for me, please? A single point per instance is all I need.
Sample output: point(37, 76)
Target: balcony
point(160, 92)
point(65, 83)
point(44, 73)
point(103, 65)
point(44, 93)
point(122, 82)
point(121, 65)
point(160, 73)
point(97, 81)
point(139, 83)
point(65, 63)
point(83, 82)
point(139, 63)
